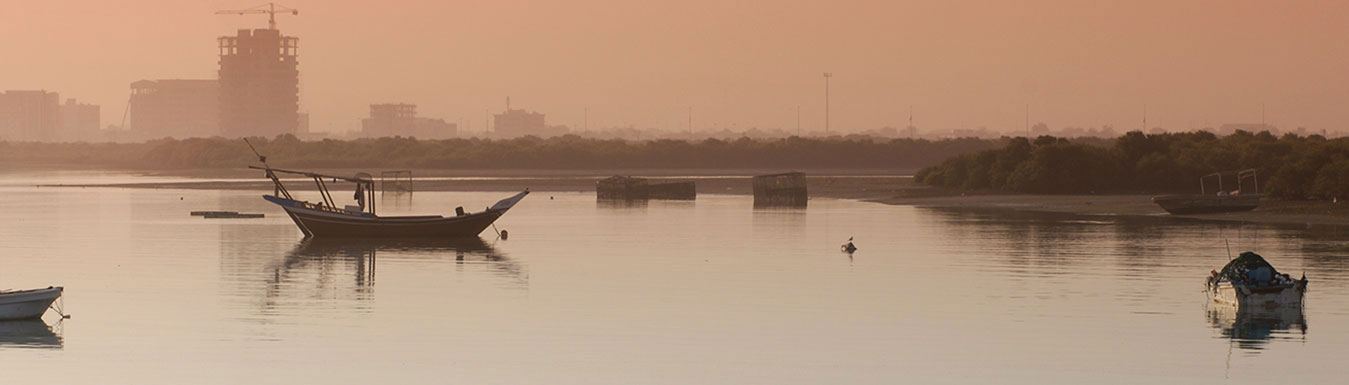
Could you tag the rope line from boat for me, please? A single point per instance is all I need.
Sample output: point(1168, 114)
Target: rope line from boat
point(1229, 249)
point(59, 306)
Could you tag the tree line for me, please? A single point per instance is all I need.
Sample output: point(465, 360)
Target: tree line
point(565, 152)
point(1290, 166)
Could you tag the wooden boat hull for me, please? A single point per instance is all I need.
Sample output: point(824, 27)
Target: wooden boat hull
point(322, 223)
point(1244, 296)
point(27, 304)
point(1203, 204)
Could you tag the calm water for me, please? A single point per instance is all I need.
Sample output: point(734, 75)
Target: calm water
point(710, 291)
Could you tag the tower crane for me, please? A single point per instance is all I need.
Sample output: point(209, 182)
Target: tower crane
point(270, 9)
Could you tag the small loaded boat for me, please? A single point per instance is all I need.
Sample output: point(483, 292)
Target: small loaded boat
point(27, 304)
point(326, 219)
point(1221, 201)
point(1250, 281)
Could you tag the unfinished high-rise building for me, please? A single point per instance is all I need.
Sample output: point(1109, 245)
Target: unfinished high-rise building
point(259, 83)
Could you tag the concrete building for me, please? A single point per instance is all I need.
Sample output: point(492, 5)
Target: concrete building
point(259, 83)
point(30, 116)
point(400, 119)
point(79, 122)
point(515, 123)
point(177, 108)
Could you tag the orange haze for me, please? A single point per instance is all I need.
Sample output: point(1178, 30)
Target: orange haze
point(738, 64)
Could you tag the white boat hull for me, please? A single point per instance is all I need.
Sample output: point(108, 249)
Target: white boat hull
point(1243, 296)
point(27, 304)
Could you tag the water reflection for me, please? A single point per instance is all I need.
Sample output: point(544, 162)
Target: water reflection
point(1253, 328)
point(621, 204)
point(30, 334)
point(777, 205)
point(1032, 243)
point(315, 262)
point(774, 223)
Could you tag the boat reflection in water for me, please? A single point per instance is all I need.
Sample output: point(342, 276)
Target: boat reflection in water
point(310, 267)
point(31, 333)
point(1254, 327)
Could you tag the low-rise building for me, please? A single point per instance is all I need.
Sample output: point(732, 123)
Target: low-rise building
point(400, 119)
point(177, 108)
point(79, 122)
point(516, 123)
point(30, 116)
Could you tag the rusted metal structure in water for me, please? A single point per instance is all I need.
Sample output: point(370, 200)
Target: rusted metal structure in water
point(786, 189)
point(629, 188)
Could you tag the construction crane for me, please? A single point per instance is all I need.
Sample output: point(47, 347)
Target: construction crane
point(270, 9)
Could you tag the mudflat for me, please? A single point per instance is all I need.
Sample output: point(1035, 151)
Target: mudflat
point(1271, 210)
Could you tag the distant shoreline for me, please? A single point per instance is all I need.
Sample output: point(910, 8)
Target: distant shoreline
point(891, 187)
point(845, 184)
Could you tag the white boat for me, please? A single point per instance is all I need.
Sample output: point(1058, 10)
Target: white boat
point(27, 304)
point(1251, 282)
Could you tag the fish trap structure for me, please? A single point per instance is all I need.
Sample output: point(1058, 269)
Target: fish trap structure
point(397, 181)
point(786, 189)
point(629, 188)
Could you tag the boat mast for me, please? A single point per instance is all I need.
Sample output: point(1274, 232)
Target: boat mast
point(279, 190)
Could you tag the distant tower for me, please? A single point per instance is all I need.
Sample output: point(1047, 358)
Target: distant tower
point(827, 75)
point(259, 83)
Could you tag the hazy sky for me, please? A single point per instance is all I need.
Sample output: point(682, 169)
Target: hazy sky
point(747, 64)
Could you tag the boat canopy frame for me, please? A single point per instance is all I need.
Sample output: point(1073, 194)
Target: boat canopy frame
point(365, 187)
point(1241, 176)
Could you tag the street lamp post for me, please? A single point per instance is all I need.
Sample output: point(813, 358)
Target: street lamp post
point(827, 75)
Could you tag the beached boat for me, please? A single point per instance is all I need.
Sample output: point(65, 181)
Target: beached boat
point(1250, 281)
point(326, 219)
point(27, 304)
point(1221, 201)
point(1197, 204)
